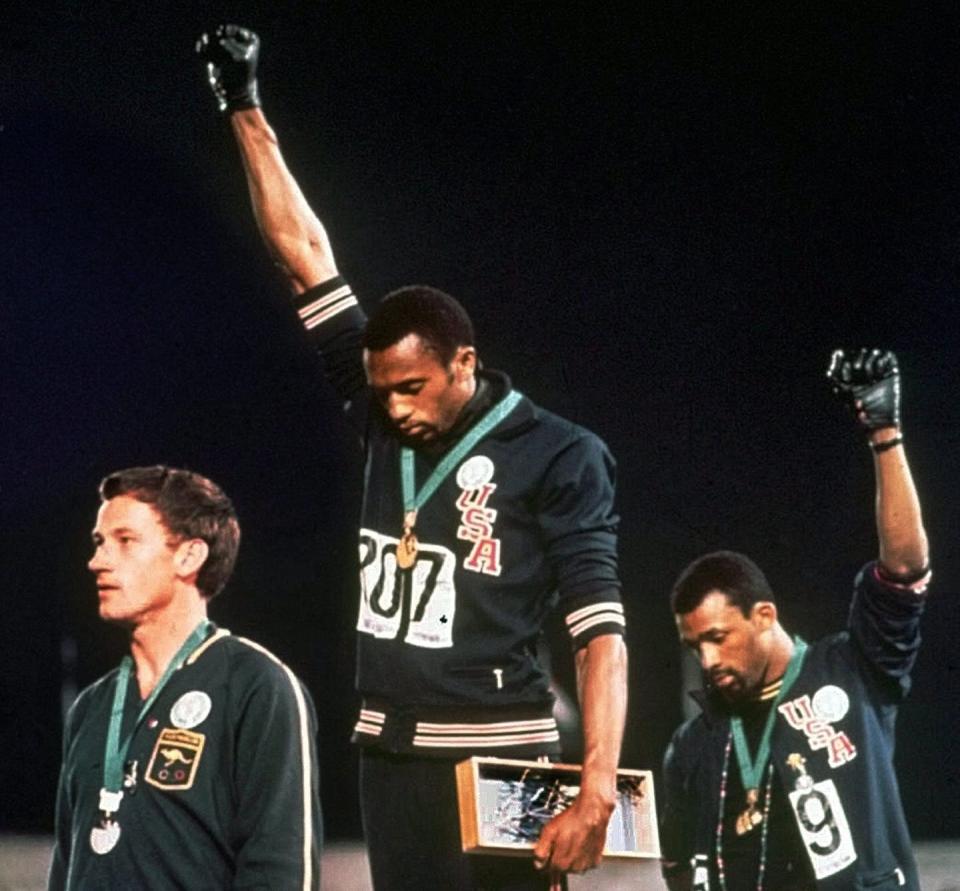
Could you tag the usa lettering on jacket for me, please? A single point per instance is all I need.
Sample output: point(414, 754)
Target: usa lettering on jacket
point(802, 715)
point(476, 525)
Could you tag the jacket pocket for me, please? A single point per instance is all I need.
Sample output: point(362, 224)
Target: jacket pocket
point(489, 678)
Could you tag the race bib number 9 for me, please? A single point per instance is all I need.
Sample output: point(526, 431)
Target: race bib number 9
point(823, 828)
point(418, 606)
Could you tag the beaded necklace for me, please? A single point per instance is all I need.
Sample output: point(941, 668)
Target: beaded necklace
point(761, 870)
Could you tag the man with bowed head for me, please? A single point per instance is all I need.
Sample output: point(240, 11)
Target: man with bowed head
point(193, 764)
point(785, 780)
point(481, 513)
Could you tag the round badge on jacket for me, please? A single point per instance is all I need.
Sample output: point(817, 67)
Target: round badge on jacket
point(474, 472)
point(830, 703)
point(190, 709)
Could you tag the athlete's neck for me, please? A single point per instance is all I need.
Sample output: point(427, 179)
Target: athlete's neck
point(781, 652)
point(473, 388)
point(480, 400)
point(155, 641)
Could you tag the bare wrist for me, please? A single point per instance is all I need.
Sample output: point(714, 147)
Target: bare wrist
point(600, 792)
point(252, 122)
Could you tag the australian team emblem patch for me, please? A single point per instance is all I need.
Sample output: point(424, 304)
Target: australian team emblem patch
point(175, 759)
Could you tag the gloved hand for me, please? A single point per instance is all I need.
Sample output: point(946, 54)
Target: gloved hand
point(870, 384)
point(231, 54)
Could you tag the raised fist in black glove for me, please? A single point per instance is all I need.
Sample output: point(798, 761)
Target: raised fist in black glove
point(869, 382)
point(231, 54)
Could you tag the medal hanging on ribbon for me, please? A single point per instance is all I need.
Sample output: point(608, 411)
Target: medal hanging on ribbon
point(105, 835)
point(413, 500)
point(751, 770)
point(751, 816)
point(407, 546)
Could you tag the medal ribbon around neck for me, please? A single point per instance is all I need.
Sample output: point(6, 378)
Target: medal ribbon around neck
point(751, 771)
point(115, 752)
point(414, 500)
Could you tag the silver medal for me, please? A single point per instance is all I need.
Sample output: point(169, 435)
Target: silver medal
point(103, 839)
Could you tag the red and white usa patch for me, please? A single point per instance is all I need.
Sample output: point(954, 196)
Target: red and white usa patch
point(810, 717)
point(476, 518)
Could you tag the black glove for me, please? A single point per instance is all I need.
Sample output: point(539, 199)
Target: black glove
point(870, 384)
point(231, 54)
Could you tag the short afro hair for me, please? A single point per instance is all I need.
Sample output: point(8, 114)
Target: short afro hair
point(437, 318)
point(735, 575)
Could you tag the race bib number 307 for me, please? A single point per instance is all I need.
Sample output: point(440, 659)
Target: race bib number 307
point(823, 828)
point(418, 606)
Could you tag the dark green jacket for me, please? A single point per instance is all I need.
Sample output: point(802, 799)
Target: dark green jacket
point(228, 802)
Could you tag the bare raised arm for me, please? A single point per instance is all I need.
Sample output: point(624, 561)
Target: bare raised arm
point(869, 381)
point(904, 553)
point(291, 230)
point(294, 236)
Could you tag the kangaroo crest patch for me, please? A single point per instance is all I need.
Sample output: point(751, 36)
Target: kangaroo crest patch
point(175, 759)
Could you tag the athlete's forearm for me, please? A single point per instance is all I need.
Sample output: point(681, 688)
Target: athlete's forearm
point(294, 236)
point(903, 540)
point(602, 689)
point(574, 840)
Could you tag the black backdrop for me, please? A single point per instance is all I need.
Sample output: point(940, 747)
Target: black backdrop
point(662, 221)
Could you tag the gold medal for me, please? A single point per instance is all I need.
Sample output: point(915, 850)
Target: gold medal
point(751, 816)
point(407, 546)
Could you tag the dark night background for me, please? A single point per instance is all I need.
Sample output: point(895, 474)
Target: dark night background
point(662, 220)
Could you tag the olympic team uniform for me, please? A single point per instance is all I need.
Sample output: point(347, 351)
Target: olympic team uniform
point(221, 778)
point(446, 651)
point(835, 817)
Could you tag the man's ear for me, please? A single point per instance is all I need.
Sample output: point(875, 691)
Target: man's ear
point(464, 363)
point(190, 556)
point(763, 614)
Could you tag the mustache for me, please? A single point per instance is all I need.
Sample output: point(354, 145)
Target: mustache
point(715, 674)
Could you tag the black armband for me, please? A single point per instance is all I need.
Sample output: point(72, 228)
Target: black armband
point(887, 444)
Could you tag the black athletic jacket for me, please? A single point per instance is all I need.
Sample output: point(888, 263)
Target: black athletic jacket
point(446, 652)
point(839, 716)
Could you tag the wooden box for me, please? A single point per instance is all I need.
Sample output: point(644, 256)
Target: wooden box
point(504, 805)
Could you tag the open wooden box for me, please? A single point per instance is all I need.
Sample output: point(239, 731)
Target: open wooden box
point(505, 803)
